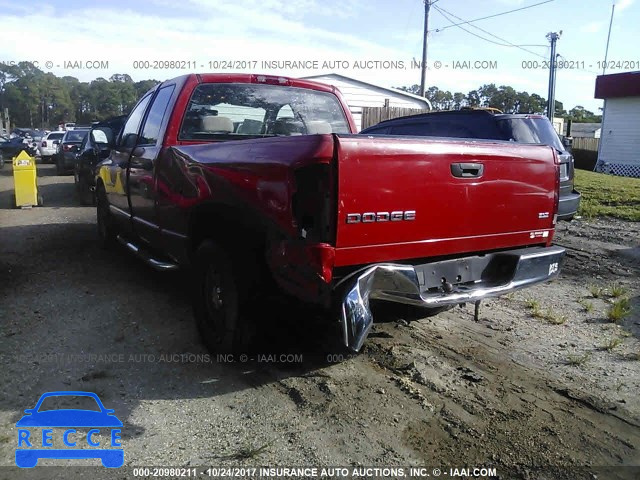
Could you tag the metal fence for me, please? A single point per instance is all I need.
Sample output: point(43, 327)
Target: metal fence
point(374, 115)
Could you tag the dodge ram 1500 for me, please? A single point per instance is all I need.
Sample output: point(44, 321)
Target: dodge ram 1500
point(250, 178)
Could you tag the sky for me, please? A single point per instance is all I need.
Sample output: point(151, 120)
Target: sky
point(373, 41)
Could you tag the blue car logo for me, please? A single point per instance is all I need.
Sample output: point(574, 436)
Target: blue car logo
point(31, 449)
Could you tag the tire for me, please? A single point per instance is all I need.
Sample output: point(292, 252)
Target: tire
point(40, 201)
point(221, 300)
point(59, 167)
point(84, 193)
point(107, 231)
point(1, 161)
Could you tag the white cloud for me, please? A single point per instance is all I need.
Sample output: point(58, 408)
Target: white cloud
point(622, 4)
point(592, 27)
point(199, 31)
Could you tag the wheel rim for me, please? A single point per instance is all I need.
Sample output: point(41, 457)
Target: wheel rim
point(214, 293)
point(103, 217)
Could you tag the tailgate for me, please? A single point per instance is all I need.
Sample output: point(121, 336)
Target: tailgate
point(412, 197)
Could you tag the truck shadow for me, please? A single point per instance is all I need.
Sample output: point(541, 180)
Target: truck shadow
point(81, 318)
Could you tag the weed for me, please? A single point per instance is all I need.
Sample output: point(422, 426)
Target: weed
point(248, 452)
point(597, 291)
point(577, 360)
point(611, 344)
point(619, 309)
point(588, 306)
point(532, 304)
point(617, 290)
point(553, 318)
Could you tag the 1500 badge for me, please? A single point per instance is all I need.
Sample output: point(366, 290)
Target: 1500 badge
point(371, 217)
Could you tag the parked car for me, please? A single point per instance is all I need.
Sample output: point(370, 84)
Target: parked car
point(67, 148)
point(48, 147)
point(248, 180)
point(483, 124)
point(95, 147)
point(10, 147)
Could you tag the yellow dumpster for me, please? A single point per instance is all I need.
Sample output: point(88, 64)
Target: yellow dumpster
point(25, 183)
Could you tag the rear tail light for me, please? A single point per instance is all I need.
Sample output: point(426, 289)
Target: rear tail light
point(66, 148)
point(44, 143)
point(312, 203)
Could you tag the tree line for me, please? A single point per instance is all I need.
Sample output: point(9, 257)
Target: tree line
point(36, 99)
point(504, 98)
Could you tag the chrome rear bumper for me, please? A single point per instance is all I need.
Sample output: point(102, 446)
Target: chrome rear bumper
point(496, 274)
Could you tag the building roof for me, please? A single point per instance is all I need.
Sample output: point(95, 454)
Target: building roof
point(584, 129)
point(371, 85)
point(626, 84)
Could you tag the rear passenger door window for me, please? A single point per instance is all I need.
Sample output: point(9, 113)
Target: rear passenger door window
point(153, 123)
point(129, 136)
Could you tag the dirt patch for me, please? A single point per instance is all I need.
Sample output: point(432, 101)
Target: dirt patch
point(516, 391)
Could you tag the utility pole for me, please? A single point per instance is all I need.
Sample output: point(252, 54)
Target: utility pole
point(551, 97)
point(606, 51)
point(427, 5)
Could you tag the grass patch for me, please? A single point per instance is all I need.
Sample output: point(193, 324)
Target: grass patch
point(577, 360)
point(554, 318)
point(548, 315)
point(248, 452)
point(617, 290)
point(619, 310)
point(611, 344)
point(532, 304)
point(588, 306)
point(608, 195)
point(597, 291)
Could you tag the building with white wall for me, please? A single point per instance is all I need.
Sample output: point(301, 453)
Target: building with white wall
point(359, 94)
point(619, 149)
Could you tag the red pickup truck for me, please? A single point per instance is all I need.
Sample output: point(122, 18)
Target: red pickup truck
point(247, 179)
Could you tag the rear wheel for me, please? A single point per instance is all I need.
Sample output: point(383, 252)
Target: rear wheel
point(221, 305)
point(59, 167)
point(106, 227)
point(84, 191)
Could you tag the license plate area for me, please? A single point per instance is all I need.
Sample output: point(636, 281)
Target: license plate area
point(443, 276)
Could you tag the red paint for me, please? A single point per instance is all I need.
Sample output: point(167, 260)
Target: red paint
point(453, 215)
point(256, 180)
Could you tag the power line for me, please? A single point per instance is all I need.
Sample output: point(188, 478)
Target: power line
point(493, 16)
point(507, 43)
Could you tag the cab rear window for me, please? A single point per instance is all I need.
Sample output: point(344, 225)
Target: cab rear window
point(221, 111)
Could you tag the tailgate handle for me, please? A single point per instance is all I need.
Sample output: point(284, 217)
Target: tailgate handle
point(467, 170)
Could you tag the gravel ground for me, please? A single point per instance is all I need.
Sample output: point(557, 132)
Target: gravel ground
point(553, 387)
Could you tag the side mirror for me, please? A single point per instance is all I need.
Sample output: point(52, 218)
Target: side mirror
point(129, 140)
point(137, 152)
point(103, 136)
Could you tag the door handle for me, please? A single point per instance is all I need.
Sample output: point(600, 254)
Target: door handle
point(467, 170)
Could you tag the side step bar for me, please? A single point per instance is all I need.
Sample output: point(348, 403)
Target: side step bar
point(146, 257)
